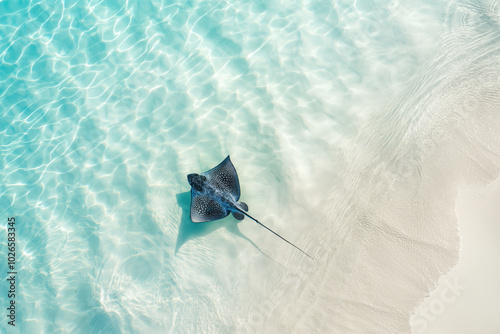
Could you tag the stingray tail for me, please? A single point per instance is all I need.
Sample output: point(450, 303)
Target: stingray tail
point(258, 222)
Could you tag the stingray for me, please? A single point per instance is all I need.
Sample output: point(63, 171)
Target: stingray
point(215, 194)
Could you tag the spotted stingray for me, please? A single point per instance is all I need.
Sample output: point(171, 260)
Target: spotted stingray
point(215, 194)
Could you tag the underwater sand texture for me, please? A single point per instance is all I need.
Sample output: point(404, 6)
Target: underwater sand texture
point(351, 127)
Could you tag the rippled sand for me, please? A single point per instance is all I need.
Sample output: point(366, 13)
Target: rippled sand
point(351, 127)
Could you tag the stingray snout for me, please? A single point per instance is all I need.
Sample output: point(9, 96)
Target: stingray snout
point(196, 181)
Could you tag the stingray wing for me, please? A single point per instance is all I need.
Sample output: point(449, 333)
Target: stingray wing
point(205, 208)
point(224, 178)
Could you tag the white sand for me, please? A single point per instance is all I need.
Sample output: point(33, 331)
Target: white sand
point(467, 299)
point(388, 230)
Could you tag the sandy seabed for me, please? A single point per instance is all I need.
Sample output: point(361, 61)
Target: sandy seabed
point(352, 125)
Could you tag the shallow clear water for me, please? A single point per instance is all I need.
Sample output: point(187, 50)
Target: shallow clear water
point(327, 109)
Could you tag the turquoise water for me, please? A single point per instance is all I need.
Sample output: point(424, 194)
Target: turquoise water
point(323, 106)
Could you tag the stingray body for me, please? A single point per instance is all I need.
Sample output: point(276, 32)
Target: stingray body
point(215, 194)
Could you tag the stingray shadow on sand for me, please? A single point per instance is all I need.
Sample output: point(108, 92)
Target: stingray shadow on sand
point(189, 230)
